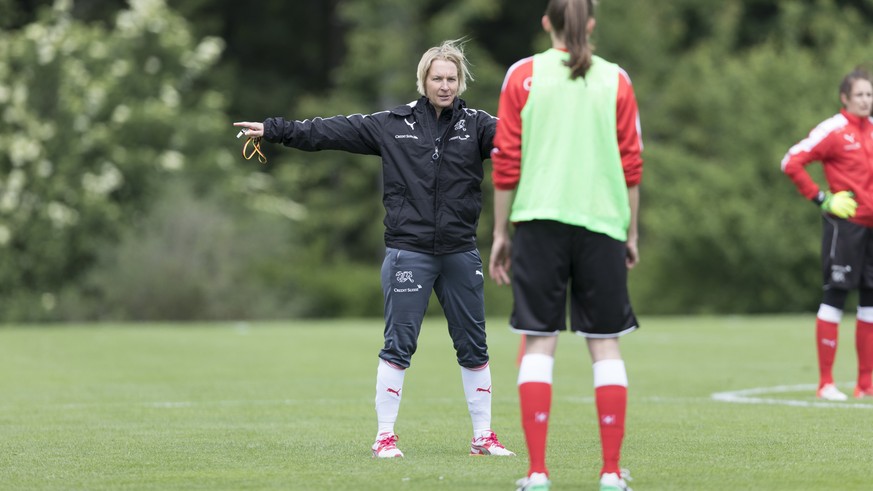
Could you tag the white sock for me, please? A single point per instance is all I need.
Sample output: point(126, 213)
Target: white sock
point(477, 389)
point(536, 367)
point(609, 372)
point(389, 387)
point(828, 313)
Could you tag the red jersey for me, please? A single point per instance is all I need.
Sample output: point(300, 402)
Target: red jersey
point(843, 144)
point(506, 156)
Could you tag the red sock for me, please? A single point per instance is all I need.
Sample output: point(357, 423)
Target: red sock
point(611, 407)
point(864, 347)
point(536, 402)
point(826, 343)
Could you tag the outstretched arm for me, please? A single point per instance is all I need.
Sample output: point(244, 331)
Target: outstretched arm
point(357, 133)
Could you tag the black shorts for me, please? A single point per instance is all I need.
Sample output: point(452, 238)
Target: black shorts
point(846, 254)
point(547, 256)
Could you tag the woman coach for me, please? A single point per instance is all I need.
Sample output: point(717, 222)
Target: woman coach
point(432, 151)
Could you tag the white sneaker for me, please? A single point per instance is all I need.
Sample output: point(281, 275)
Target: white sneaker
point(534, 482)
point(615, 482)
point(488, 445)
point(830, 392)
point(386, 446)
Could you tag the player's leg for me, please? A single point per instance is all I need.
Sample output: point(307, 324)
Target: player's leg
point(535, 397)
point(610, 396)
point(842, 256)
point(540, 270)
point(864, 324)
point(460, 290)
point(601, 311)
point(864, 344)
point(407, 280)
point(827, 322)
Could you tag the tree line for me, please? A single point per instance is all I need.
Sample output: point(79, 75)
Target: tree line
point(123, 194)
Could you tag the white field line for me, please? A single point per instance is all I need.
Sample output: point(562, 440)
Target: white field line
point(220, 403)
point(756, 395)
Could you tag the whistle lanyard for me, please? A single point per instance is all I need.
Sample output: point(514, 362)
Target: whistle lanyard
point(256, 149)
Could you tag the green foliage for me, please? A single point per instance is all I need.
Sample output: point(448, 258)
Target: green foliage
point(188, 258)
point(95, 122)
point(723, 229)
point(103, 106)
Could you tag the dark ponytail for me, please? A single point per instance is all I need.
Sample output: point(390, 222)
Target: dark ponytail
point(569, 19)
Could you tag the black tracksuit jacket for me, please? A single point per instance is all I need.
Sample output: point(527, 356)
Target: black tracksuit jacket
point(432, 170)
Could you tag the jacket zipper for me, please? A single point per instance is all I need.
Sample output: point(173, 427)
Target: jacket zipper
point(437, 158)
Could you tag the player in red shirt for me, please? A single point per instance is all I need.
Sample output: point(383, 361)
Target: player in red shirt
point(843, 144)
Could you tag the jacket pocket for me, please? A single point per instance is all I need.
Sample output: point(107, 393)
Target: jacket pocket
point(394, 205)
point(460, 215)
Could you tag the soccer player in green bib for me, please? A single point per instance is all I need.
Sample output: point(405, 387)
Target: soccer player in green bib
point(567, 169)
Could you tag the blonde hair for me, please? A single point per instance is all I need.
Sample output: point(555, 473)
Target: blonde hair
point(451, 51)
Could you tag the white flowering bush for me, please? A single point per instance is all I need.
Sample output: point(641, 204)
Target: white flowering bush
point(94, 120)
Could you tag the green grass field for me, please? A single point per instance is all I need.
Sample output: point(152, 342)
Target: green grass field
point(289, 406)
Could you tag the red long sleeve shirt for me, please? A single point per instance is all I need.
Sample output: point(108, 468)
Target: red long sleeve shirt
point(843, 144)
point(506, 156)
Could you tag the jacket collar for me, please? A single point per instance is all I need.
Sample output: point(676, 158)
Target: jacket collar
point(421, 105)
point(420, 108)
point(457, 105)
point(855, 120)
